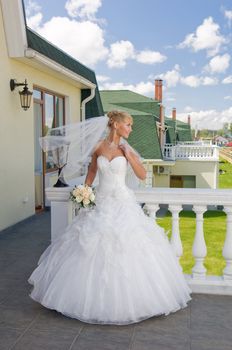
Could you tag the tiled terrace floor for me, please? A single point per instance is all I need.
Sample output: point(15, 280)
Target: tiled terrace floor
point(25, 325)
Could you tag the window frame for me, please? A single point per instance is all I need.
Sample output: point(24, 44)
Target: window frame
point(41, 101)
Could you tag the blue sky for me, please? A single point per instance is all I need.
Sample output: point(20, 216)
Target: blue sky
point(130, 43)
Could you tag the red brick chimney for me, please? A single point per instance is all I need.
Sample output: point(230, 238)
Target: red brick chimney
point(189, 120)
point(158, 90)
point(174, 114)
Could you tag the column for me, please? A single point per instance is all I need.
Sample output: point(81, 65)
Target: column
point(227, 249)
point(175, 238)
point(61, 210)
point(152, 209)
point(199, 247)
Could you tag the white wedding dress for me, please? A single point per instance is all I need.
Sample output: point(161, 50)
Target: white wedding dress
point(114, 264)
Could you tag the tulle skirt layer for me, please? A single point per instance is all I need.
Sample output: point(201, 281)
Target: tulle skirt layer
point(113, 265)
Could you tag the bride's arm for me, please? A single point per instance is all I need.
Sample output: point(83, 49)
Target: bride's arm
point(92, 170)
point(134, 161)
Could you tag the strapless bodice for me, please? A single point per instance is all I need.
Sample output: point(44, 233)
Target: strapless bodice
point(112, 174)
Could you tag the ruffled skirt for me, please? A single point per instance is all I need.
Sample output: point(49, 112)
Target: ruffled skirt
point(113, 265)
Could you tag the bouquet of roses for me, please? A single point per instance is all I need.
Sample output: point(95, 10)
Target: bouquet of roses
point(83, 196)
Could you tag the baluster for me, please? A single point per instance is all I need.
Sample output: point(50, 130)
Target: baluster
point(175, 238)
point(152, 209)
point(227, 249)
point(199, 247)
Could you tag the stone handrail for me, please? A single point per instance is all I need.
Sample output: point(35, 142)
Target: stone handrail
point(200, 199)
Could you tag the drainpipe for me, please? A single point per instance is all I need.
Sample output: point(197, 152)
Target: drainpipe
point(87, 99)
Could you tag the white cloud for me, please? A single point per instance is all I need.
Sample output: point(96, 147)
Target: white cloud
point(171, 77)
point(35, 21)
point(150, 57)
point(84, 9)
point(120, 52)
point(218, 64)
point(188, 109)
point(174, 77)
point(63, 32)
point(102, 78)
point(228, 15)
point(191, 80)
point(31, 8)
point(206, 37)
point(227, 80)
point(206, 119)
point(195, 81)
point(84, 39)
point(209, 81)
point(227, 97)
point(143, 88)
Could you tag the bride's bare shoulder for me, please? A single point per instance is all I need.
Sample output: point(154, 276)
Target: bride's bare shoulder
point(99, 147)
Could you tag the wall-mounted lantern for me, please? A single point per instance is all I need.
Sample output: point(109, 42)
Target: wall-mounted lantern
point(25, 94)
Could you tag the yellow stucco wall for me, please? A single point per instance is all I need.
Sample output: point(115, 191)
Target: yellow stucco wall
point(17, 134)
point(206, 173)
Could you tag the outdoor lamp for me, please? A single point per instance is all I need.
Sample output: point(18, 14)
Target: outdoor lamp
point(25, 94)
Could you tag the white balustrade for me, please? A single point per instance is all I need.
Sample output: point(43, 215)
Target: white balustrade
point(191, 151)
point(227, 250)
point(199, 281)
point(175, 237)
point(152, 209)
point(199, 247)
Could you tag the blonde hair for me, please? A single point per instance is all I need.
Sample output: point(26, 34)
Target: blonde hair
point(118, 116)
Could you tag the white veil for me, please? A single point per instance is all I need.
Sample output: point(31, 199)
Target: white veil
point(72, 145)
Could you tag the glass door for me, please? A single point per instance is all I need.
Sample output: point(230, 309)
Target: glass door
point(38, 157)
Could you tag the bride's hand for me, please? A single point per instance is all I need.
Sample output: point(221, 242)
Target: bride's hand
point(125, 149)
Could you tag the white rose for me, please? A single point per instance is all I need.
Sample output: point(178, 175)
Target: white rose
point(86, 202)
point(92, 197)
point(78, 199)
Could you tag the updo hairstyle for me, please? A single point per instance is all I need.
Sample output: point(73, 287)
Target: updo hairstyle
point(118, 116)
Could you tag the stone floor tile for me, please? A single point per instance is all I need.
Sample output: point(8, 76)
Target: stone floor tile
point(17, 318)
point(104, 338)
point(160, 339)
point(36, 340)
point(8, 337)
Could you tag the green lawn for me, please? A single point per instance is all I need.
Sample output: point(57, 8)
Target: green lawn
point(225, 180)
point(214, 230)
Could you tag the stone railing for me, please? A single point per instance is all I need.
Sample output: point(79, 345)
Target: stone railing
point(190, 152)
point(200, 199)
point(195, 143)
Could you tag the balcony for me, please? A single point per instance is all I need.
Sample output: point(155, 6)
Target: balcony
point(192, 150)
point(199, 199)
point(24, 324)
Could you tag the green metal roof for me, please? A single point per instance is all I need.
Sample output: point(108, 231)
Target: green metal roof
point(39, 44)
point(129, 100)
point(171, 131)
point(144, 137)
point(177, 131)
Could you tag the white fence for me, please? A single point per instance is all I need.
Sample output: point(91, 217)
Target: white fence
point(199, 281)
point(190, 151)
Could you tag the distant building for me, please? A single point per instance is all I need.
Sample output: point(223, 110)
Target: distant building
point(171, 157)
point(220, 140)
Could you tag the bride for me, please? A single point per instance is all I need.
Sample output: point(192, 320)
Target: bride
point(113, 264)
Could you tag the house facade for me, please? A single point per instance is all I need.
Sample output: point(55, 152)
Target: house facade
point(170, 156)
point(64, 91)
